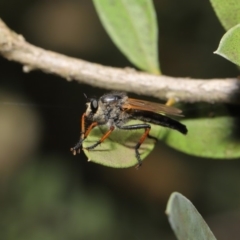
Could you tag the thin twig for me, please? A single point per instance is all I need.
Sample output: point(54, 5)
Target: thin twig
point(15, 48)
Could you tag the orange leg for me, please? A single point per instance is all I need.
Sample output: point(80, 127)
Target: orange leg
point(76, 149)
point(94, 124)
point(143, 137)
point(138, 145)
point(170, 102)
point(83, 125)
point(102, 138)
point(147, 129)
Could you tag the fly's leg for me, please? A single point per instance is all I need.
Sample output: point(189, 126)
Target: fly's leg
point(152, 137)
point(170, 102)
point(106, 135)
point(77, 148)
point(147, 129)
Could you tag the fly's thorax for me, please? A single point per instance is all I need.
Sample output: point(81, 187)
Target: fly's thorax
point(122, 119)
point(113, 112)
point(107, 110)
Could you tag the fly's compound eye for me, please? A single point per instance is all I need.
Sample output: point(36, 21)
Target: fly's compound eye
point(94, 105)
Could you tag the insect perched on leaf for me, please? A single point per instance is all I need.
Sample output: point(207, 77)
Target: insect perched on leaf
point(116, 110)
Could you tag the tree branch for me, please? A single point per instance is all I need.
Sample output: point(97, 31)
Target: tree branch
point(15, 48)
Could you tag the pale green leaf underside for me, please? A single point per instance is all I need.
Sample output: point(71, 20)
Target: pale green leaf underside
point(132, 25)
point(228, 12)
point(207, 137)
point(229, 46)
point(185, 220)
point(118, 150)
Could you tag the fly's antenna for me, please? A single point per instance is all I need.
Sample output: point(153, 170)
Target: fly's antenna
point(85, 95)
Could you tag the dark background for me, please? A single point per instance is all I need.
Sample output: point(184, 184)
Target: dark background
point(45, 192)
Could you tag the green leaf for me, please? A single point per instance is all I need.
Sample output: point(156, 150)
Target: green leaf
point(132, 25)
point(228, 12)
point(207, 137)
point(185, 220)
point(118, 149)
point(229, 46)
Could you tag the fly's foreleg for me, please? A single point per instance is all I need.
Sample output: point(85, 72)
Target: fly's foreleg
point(77, 148)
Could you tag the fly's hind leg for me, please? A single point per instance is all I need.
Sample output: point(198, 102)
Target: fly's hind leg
point(170, 102)
point(147, 129)
point(152, 137)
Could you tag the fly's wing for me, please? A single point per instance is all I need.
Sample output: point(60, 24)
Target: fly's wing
point(139, 104)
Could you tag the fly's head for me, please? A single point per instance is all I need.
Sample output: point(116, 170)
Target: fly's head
point(94, 111)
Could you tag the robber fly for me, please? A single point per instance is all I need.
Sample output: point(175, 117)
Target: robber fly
point(116, 109)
